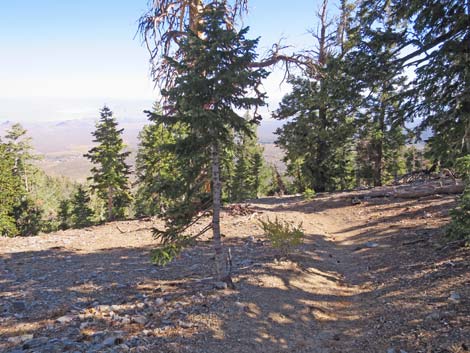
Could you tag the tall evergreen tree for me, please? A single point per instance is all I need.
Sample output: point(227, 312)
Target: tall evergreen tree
point(214, 79)
point(436, 35)
point(159, 172)
point(27, 212)
point(110, 173)
point(381, 121)
point(81, 214)
point(318, 136)
point(248, 170)
point(19, 145)
point(10, 192)
point(64, 214)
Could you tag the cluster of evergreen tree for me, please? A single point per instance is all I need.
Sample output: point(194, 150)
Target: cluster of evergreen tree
point(349, 119)
point(160, 168)
point(30, 198)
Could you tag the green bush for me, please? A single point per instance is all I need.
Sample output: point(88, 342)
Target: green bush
point(283, 235)
point(309, 194)
point(459, 227)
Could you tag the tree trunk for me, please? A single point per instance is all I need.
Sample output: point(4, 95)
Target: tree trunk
point(110, 203)
point(378, 143)
point(216, 195)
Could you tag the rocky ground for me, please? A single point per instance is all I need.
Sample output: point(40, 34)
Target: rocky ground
point(374, 276)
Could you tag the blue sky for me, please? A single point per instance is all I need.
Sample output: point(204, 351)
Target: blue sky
point(64, 59)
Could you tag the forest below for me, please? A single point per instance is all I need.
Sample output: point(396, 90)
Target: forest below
point(375, 139)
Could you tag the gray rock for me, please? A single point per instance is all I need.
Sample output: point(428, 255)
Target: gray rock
point(65, 319)
point(112, 341)
point(20, 339)
point(184, 324)
point(140, 319)
point(245, 263)
point(35, 342)
point(435, 315)
point(454, 297)
point(371, 244)
point(126, 320)
point(355, 201)
point(220, 285)
point(18, 306)
point(159, 301)
point(391, 350)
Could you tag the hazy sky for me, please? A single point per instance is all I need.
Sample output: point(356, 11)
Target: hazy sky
point(64, 59)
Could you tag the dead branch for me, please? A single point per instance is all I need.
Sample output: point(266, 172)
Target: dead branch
point(133, 230)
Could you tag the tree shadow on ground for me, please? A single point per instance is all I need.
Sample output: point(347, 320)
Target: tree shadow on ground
point(330, 296)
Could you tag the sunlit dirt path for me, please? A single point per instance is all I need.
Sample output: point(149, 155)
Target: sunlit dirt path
point(371, 277)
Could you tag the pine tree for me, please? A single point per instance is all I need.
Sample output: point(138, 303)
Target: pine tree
point(28, 216)
point(81, 214)
point(214, 79)
point(19, 145)
point(10, 192)
point(64, 214)
point(110, 173)
point(381, 121)
point(317, 138)
point(257, 164)
point(158, 170)
point(249, 167)
point(459, 227)
point(436, 34)
point(27, 211)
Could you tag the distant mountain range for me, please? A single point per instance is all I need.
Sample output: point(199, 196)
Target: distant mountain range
point(63, 143)
point(70, 135)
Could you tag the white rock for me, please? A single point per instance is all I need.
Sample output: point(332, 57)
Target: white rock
point(140, 319)
point(20, 339)
point(455, 297)
point(65, 319)
point(159, 301)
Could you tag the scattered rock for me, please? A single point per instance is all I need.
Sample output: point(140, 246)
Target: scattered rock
point(159, 301)
point(355, 201)
point(112, 341)
point(434, 316)
point(20, 339)
point(125, 320)
point(18, 306)
point(65, 319)
point(140, 319)
point(185, 324)
point(371, 244)
point(454, 297)
point(220, 285)
point(35, 342)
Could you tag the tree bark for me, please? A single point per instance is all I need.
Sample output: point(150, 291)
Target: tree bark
point(110, 203)
point(216, 195)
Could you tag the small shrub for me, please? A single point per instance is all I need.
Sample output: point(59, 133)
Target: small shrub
point(309, 194)
point(283, 235)
point(459, 227)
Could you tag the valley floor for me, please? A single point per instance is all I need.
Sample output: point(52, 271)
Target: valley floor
point(372, 277)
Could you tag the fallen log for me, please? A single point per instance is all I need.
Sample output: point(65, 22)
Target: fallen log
point(428, 191)
point(417, 191)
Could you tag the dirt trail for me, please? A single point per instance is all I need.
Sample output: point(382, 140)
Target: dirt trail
point(372, 277)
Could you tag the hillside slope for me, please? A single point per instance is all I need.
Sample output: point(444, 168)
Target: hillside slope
point(372, 277)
